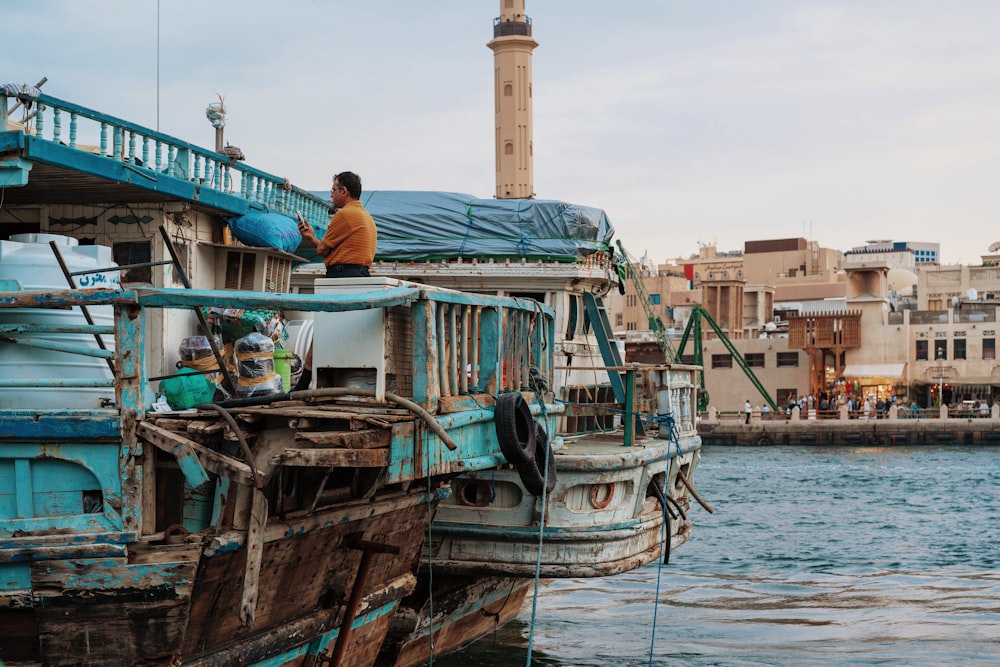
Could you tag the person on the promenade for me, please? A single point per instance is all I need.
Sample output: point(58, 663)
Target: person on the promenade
point(747, 409)
point(347, 248)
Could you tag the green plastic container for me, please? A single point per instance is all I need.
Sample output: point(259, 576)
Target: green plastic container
point(283, 367)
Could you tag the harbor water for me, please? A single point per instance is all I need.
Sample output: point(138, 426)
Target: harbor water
point(814, 556)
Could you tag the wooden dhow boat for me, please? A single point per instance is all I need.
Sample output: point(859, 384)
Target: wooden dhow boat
point(261, 527)
point(625, 450)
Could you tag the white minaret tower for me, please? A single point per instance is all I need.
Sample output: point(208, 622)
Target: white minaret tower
point(512, 46)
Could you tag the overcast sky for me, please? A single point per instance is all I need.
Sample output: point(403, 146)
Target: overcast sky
point(694, 122)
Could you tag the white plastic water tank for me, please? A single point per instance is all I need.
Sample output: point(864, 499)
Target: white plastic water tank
point(29, 260)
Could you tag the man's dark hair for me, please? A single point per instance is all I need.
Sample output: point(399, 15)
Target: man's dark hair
point(351, 181)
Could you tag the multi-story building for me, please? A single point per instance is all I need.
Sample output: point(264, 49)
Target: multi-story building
point(920, 252)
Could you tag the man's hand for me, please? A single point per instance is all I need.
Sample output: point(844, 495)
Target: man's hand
point(306, 229)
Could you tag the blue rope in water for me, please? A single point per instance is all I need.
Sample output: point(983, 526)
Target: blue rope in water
point(674, 437)
point(538, 559)
point(659, 570)
point(430, 564)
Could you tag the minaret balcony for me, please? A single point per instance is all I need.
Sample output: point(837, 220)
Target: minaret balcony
point(505, 28)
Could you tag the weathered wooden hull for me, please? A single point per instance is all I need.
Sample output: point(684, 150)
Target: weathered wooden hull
point(464, 610)
point(601, 519)
point(179, 603)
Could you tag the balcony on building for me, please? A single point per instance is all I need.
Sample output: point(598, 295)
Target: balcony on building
point(503, 28)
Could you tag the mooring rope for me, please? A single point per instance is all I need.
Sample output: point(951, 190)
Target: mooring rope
point(664, 529)
point(541, 533)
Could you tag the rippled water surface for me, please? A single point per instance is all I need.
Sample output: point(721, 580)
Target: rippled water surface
point(814, 556)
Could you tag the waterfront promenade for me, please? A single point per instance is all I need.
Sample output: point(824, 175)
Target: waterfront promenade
point(937, 426)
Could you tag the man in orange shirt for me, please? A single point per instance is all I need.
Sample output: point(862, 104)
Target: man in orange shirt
point(347, 248)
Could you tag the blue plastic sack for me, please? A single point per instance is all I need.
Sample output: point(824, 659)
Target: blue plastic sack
point(267, 230)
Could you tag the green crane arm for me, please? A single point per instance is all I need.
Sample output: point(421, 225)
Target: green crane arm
point(694, 324)
point(655, 323)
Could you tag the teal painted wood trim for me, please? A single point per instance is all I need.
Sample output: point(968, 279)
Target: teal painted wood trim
point(82, 467)
point(381, 298)
point(65, 298)
point(490, 337)
point(80, 426)
point(10, 329)
point(22, 555)
point(320, 646)
point(23, 493)
point(130, 337)
point(477, 449)
point(11, 140)
point(48, 543)
point(14, 172)
point(97, 574)
point(194, 474)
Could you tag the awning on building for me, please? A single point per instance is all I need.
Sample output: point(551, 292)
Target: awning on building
point(887, 371)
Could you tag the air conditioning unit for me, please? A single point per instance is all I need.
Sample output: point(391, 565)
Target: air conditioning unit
point(253, 269)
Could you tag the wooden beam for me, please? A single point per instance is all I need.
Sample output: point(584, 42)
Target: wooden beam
point(213, 461)
point(325, 458)
point(347, 439)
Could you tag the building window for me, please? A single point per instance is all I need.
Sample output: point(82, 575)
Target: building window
point(134, 252)
point(958, 348)
point(722, 361)
point(922, 350)
point(989, 348)
point(940, 349)
point(754, 359)
point(687, 359)
point(788, 360)
point(618, 319)
point(654, 299)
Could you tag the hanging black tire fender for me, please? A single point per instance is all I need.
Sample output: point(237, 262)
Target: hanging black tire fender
point(515, 429)
point(764, 441)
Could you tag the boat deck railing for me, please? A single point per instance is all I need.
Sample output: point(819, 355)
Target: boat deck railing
point(150, 153)
point(462, 344)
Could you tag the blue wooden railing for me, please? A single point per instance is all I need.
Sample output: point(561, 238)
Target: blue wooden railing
point(145, 150)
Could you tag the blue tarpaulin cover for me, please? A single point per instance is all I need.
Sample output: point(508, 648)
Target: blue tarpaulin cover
point(422, 225)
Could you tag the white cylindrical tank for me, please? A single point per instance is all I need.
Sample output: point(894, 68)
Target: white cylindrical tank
point(29, 260)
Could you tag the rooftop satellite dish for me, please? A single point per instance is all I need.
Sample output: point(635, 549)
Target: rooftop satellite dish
point(995, 246)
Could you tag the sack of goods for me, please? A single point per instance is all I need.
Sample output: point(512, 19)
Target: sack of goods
point(255, 366)
point(186, 389)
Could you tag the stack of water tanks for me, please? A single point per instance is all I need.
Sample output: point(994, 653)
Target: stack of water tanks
point(27, 262)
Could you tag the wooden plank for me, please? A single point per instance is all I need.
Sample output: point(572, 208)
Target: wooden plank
point(255, 551)
point(347, 439)
point(325, 458)
point(212, 461)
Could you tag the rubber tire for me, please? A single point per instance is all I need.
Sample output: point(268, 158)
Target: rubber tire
point(545, 459)
point(515, 429)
